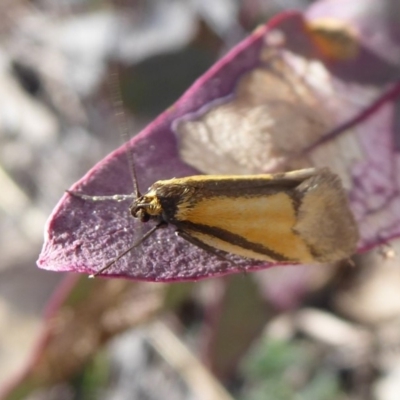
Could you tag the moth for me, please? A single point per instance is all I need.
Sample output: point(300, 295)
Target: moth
point(301, 216)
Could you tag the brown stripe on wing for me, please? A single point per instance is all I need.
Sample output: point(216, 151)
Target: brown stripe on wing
point(232, 238)
point(175, 191)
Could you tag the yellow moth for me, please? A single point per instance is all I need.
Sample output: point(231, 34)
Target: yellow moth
point(295, 217)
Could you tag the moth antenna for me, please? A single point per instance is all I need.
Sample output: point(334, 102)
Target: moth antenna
point(123, 127)
point(144, 237)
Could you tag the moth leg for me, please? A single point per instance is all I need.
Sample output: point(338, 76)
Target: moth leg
point(205, 247)
point(115, 197)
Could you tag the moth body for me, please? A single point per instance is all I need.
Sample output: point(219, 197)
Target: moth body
point(300, 216)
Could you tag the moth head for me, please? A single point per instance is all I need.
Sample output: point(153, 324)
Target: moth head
point(146, 207)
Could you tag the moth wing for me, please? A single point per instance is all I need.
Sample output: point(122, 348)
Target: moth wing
point(324, 219)
point(211, 243)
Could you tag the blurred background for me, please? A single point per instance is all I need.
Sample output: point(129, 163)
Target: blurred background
point(301, 333)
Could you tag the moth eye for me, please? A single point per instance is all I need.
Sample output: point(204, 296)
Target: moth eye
point(141, 214)
point(145, 217)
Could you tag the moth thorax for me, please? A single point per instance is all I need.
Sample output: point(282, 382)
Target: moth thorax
point(146, 207)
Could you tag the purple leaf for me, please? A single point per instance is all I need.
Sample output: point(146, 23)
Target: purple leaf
point(289, 96)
